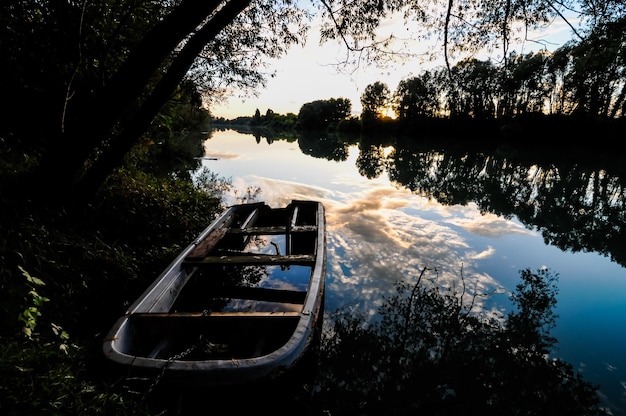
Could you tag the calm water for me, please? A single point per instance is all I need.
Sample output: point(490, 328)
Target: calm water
point(380, 231)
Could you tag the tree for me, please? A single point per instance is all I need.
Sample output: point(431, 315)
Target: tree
point(524, 85)
point(102, 99)
point(374, 101)
point(256, 119)
point(473, 89)
point(558, 66)
point(597, 77)
point(321, 114)
point(416, 97)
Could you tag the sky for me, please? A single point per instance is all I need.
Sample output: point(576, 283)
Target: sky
point(310, 72)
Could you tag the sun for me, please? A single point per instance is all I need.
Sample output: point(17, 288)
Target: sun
point(389, 113)
point(388, 151)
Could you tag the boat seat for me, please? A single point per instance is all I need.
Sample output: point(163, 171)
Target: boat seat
point(273, 230)
point(202, 315)
point(259, 293)
point(268, 259)
point(239, 334)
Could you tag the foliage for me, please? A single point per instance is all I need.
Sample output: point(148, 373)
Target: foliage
point(44, 371)
point(431, 353)
point(40, 378)
point(67, 275)
point(374, 101)
point(32, 311)
point(173, 144)
point(416, 97)
point(349, 126)
point(583, 79)
point(275, 121)
point(322, 114)
point(106, 74)
point(472, 90)
point(461, 29)
point(236, 58)
point(595, 81)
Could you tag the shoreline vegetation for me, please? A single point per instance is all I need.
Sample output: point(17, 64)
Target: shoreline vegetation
point(556, 99)
point(530, 127)
point(560, 135)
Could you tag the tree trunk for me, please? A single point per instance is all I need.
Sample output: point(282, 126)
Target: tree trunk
point(92, 116)
point(119, 146)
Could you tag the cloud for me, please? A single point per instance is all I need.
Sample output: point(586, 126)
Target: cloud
point(368, 218)
point(378, 243)
point(485, 253)
point(489, 225)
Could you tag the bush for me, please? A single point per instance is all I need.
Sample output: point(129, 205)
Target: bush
point(66, 277)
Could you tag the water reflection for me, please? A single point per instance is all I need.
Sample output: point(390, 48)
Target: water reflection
point(376, 244)
point(575, 207)
point(577, 202)
point(395, 207)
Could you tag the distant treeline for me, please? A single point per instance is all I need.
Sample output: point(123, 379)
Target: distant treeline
point(581, 84)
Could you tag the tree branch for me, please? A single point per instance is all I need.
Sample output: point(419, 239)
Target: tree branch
point(565, 20)
point(132, 130)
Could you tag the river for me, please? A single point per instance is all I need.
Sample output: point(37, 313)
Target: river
point(392, 211)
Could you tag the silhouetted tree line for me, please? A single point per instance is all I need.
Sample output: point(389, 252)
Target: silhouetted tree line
point(272, 120)
point(333, 114)
point(540, 92)
point(324, 114)
point(585, 79)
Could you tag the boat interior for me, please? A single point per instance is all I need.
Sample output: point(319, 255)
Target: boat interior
point(245, 286)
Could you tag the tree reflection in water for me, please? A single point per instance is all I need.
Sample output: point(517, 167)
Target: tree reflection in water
point(578, 203)
point(430, 354)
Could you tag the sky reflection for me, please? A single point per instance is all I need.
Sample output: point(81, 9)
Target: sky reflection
point(375, 238)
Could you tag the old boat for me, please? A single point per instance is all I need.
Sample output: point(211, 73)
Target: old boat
point(241, 303)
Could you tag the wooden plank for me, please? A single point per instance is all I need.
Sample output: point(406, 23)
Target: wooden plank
point(202, 315)
point(267, 259)
point(260, 294)
point(294, 217)
point(205, 246)
point(254, 215)
point(273, 230)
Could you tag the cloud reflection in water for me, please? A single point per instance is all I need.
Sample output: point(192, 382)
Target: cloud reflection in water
point(375, 237)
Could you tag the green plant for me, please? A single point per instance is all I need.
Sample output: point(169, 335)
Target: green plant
point(44, 371)
point(32, 311)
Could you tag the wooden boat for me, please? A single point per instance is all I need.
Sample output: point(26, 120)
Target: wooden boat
point(240, 303)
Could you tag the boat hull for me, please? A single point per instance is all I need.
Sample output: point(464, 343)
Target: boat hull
point(241, 303)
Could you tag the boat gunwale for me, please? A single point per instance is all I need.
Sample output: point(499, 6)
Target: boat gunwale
point(283, 357)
